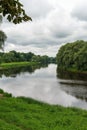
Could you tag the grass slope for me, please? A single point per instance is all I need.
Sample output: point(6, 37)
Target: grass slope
point(28, 114)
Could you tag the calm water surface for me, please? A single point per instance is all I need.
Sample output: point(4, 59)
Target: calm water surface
point(44, 85)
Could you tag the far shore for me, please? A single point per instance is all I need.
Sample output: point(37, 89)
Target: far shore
point(5, 66)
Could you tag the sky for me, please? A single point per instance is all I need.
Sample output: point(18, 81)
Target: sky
point(55, 22)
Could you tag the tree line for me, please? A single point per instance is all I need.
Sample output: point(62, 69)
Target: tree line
point(14, 56)
point(73, 56)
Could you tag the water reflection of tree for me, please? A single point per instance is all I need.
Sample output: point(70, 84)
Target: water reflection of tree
point(74, 84)
point(13, 72)
point(75, 88)
point(71, 75)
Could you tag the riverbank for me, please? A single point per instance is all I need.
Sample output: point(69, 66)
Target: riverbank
point(72, 70)
point(5, 66)
point(28, 114)
point(76, 71)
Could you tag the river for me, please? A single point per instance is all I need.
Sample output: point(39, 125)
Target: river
point(43, 84)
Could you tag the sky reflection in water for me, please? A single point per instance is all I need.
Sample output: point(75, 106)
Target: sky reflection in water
point(43, 85)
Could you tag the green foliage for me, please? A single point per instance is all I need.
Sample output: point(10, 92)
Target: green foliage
point(28, 114)
point(3, 38)
point(42, 59)
point(14, 56)
point(5, 94)
point(14, 11)
point(73, 56)
point(1, 91)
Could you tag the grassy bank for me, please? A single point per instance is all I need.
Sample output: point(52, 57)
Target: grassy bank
point(4, 66)
point(27, 114)
point(73, 70)
point(76, 71)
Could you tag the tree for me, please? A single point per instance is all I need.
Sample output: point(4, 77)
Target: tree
point(3, 37)
point(73, 56)
point(14, 12)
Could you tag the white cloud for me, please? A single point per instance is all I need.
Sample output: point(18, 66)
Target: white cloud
point(36, 8)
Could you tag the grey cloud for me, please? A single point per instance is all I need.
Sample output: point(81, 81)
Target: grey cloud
point(41, 42)
point(80, 11)
point(61, 34)
point(80, 15)
point(41, 33)
point(48, 50)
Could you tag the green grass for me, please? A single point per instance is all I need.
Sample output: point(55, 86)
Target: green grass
point(73, 70)
point(76, 71)
point(16, 64)
point(28, 114)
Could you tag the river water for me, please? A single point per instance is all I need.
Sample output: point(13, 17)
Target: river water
point(43, 84)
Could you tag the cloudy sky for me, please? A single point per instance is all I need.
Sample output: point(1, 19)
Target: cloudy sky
point(55, 22)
